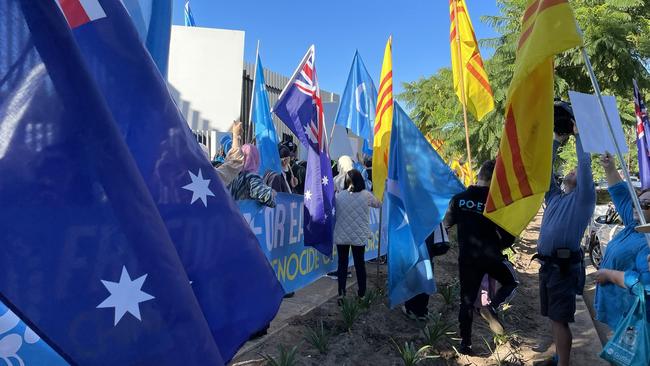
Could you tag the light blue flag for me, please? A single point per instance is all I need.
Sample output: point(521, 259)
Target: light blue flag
point(357, 109)
point(153, 21)
point(265, 136)
point(189, 18)
point(418, 190)
point(21, 345)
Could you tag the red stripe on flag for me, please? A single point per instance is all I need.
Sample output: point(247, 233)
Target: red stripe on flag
point(388, 91)
point(502, 181)
point(515, 152)
point(381, 115)
point(74, 12)
point(478, 76)
point(535, 9)
point(489, 206)
point(452, 35)
point(386, 79)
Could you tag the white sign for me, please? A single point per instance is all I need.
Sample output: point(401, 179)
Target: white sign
point(595, 135)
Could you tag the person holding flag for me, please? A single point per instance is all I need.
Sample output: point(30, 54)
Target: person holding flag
point(300, 107)
point(520, 178)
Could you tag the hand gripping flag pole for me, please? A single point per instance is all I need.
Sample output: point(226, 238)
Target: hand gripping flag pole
point(644, 227)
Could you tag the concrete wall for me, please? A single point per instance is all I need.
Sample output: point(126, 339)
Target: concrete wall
point(205, 72)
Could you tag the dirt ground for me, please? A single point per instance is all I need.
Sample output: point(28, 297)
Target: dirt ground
point(371, 339)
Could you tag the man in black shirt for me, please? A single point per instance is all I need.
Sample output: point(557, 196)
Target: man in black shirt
point(481, 243)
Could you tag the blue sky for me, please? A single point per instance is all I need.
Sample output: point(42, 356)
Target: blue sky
point(286, 28)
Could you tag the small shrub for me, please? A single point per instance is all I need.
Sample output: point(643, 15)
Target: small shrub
point(318, 337)
point(412, 356)
point(286, 357)
point(499, 357)
point(350, 309)
point(437, 330)
point(372, 296)
point(450, 293)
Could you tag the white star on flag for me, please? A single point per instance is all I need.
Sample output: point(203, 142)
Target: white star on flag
point(325, 181)
point(199, 188)
point(307, 195)
point(126, 295)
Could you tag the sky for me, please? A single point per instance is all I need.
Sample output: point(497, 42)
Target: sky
point(286, 29)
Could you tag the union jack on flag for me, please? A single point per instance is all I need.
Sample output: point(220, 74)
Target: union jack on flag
point(300, 107)
point(312, 123)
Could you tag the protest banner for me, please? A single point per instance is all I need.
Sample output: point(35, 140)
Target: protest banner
point(280, 234)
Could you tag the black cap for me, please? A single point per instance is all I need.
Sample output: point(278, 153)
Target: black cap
point(284, 151)
point(563, 118)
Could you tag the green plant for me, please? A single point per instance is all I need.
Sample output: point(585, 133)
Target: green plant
point(412, 356)
point(286, 357)
point(449, 293)
point(371, 297)
point(437, 330)
point(318, 337)
point(499, 357)
point(350, 309)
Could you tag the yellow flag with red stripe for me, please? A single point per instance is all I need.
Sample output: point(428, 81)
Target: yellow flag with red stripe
point(523, 167)
point(383, 124)
point(467, 65)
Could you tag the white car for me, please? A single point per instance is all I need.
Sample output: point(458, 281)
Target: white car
point(604, 225)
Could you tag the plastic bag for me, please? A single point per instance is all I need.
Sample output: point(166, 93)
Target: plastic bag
point(630, 345)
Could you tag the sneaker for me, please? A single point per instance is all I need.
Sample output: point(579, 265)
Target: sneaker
point(332, 275)
point(289, 295)
point(492, 318)
point(465, 349)
point(411, 315)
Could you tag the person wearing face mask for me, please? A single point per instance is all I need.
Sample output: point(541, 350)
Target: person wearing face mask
point(566, 216)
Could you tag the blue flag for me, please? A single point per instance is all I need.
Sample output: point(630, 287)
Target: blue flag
point(300, 107)
point(27, 347)
point(234, 284)
point(357, 109)
point(265, 136)
point(86, 260)
point(418, 190)
point(153, 20)
point(189, 18)
point(642, 137)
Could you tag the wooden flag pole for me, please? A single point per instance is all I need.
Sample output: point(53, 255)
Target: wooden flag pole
point(381, 210)
point(635, 200)
point(462, 90)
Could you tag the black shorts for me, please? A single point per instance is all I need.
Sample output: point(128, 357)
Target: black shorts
point(557, 291)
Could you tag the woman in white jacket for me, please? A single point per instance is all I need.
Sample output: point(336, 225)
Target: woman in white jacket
point(352, 228)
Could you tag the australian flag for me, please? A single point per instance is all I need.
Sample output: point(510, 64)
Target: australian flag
point(642, 138)
point(233, 281)
point(86, 260)
point(300, 107)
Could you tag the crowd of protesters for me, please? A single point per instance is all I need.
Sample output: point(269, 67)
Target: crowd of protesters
point(483, 267)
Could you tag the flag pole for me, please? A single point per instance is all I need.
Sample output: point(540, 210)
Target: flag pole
point(619, 154)
point(249, 130)
point(381, 215)
point(462, 89)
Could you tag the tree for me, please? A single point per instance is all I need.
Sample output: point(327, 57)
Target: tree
point(616, 38)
